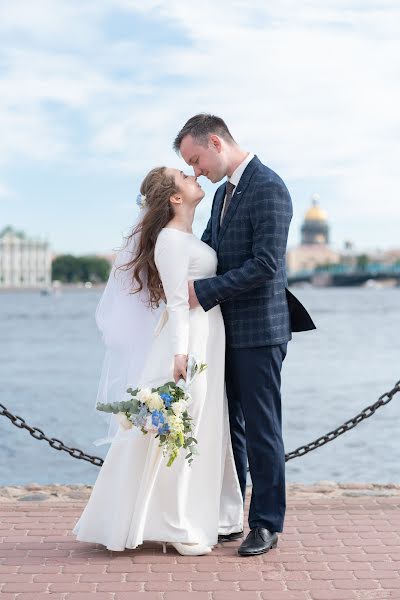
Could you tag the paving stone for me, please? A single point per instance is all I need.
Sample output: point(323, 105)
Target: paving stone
point(334, 547)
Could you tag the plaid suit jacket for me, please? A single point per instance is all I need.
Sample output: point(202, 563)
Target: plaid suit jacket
point(251, 247)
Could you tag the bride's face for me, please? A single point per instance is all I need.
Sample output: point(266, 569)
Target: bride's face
point(190, 190)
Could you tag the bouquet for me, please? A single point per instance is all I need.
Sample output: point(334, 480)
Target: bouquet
point(162, 411)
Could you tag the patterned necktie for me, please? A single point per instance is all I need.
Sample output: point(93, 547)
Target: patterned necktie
point(229, 191)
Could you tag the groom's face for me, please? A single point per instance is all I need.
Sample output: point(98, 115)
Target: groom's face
point(207, 160)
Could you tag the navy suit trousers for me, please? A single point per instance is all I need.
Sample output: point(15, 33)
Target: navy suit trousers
point(253, 382)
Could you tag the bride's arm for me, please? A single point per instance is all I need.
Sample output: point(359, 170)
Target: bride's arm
point(172, 262)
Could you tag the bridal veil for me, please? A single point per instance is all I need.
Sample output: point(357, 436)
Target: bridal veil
point(127, 324)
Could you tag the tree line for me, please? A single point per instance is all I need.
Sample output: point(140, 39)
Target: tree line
point(75, 269)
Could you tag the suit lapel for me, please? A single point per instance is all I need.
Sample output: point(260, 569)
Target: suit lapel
point(237, 196)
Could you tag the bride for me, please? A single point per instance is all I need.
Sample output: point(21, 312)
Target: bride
point(149, 335)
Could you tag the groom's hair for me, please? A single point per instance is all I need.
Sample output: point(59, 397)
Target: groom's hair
point(200, 127)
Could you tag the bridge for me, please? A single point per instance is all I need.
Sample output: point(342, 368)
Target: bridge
point(345, 275)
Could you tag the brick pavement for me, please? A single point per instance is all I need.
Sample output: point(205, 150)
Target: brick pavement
point(333, 548)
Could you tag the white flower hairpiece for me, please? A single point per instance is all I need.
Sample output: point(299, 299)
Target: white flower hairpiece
point(141, 200)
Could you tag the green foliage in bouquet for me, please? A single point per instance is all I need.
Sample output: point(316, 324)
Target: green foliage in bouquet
point(162, 411)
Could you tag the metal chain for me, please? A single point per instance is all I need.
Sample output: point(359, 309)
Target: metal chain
point(301, 451)
point(332, 435)
point(54, 442)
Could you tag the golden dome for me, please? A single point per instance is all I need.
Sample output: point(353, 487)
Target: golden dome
point(315, 212)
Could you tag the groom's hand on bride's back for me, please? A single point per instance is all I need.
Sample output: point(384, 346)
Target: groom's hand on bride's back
point(193, 301)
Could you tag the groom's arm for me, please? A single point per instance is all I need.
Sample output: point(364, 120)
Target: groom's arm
point(207, 234)
point(270, 214)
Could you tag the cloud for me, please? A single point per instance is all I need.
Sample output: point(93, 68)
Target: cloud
point(68, 23)
point(313, 89)
point(5, 191)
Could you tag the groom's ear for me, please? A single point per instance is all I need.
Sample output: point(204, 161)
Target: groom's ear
point(215, 142)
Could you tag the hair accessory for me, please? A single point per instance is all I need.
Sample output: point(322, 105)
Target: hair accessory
point(141, 200)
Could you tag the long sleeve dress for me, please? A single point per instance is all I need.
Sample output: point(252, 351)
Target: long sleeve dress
point(136, 497)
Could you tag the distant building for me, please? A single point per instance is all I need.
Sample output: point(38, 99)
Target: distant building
point(314, 249)
point(392, 257)
point(24, 262)
point(315, 228)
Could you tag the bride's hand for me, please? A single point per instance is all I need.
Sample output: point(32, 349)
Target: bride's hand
point(180, 365)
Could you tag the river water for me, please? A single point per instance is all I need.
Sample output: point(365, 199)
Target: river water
point(50, 360)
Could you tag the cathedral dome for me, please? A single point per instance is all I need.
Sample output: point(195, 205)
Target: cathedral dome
point(315, 212)
point(315, 229)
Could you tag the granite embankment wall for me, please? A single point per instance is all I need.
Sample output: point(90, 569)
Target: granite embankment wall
point(329, 489)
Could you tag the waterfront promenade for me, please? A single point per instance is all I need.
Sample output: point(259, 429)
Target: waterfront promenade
point(341, 542)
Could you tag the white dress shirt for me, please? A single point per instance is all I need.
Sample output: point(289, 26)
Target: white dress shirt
point(236, 175)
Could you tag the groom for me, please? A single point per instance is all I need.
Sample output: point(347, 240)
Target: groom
point(248, 229)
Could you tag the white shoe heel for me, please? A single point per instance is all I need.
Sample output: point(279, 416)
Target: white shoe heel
point(191, 549)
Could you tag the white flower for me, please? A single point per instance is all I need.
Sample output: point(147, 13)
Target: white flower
point(141, 200)
point(123, 420)
point(179, 407)
point(143, 394)
point(154, 402)
point(175, 424)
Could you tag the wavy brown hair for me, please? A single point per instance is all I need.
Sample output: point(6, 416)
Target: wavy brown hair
point(158, 187)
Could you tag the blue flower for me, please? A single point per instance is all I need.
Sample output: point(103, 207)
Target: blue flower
point(139, 419)
point(167, 399)
point(163, 429)
point(141, 200)
point(157, 418)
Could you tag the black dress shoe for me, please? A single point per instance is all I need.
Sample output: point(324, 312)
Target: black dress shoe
point(258, 541)
point(230, 537)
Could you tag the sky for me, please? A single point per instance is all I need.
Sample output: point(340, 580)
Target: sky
point(93, 92)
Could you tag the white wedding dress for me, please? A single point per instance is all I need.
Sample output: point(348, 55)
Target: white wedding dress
point(136, 497)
